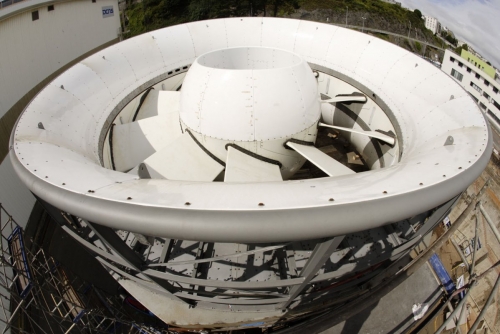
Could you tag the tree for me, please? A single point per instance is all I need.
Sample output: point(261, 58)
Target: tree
point(417, 13)
point(462, 47)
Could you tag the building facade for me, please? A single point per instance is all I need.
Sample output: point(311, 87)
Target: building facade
point(478, 62)
point(481, 85)
point(35, 50)
point(432, 24)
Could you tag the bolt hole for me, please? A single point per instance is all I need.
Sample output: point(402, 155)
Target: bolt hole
point(129, 198)
point(384, 192)
point(421, 184)
point(261, 204)
point(187, 203)
point(331, 199)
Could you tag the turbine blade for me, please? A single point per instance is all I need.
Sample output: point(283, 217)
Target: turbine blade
point(373, 134)
point(183, 159)
point(149, 106)
point(134, 142)
point(241, 167)
point(324, 162)
point(345, 98)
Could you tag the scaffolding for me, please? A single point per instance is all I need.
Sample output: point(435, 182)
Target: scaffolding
point(38, 295)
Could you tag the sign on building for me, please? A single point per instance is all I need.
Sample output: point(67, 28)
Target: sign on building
point(107, 11)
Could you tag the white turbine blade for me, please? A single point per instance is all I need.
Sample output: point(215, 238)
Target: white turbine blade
point(183, 159)
point(134, 142)
point(345, 98)
point(149, 107)
point(241, 167)
point(373, 134)
point(323, 161)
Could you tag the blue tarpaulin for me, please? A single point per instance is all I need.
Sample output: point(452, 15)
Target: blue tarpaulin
point(442, 274)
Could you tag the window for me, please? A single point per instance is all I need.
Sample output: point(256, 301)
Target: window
point(478, 76)
point(456, 75)
point(460, 64)
point(495, 90)
point(495, 103)
point(50, 8)
point(452, 59)
point(495, 117)
point(486, 95)
point(476, 87)
point(486, 83)
point(469, 70)
point(474, 98)
point(34, 15)
point(482, 105)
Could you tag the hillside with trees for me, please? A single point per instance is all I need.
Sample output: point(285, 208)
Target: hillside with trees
point(147, 15)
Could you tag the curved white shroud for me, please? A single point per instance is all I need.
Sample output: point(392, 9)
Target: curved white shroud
point(61, 163)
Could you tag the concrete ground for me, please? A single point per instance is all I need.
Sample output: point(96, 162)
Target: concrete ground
point(393, 312)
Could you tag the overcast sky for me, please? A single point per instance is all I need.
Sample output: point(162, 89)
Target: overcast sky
point(474, 21)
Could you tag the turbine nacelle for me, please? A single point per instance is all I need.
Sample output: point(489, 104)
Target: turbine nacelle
point(256, 98)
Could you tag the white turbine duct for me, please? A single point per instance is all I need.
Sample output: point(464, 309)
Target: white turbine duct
point(247, 114)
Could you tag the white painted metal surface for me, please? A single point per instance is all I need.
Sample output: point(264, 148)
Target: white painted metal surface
point(183, 159)
point(373, 134)
point(14, 195)
point(134, 142)
point(33, 50)
point(242, 94)
point(369, 116)
point(52, 162)
point(241, 167)
point(349, 98)
point(324, 162)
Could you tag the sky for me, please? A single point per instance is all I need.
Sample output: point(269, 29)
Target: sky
point(474, 21)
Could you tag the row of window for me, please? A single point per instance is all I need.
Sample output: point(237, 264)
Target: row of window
point(469, 70)
point(475, 63)
point(35, 15)
point(496, 104)
point(476, 87)
point(495, 117)
point(457, 75)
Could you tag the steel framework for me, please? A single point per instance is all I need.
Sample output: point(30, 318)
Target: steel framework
point(37, 294)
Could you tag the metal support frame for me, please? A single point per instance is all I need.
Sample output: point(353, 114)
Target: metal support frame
point(485, 308)
point(113, 241)
point(321, 253)
point(471, 271)
point(459, 251)
point(454, 313)
point(490, 222)
point(57, 302)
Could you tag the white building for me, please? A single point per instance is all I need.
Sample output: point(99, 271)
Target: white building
point(432, 24)
point(482, 88)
